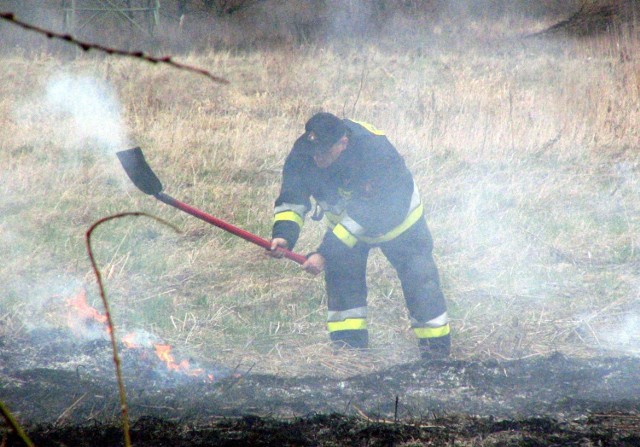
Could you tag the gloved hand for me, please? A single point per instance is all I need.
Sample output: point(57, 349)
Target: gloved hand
point(276, 243)
point(314, 264)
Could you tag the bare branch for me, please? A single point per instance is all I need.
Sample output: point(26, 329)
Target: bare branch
point(86, 46)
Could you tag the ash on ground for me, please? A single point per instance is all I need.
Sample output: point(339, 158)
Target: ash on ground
point(69, 397)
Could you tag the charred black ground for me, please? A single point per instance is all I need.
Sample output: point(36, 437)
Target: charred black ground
point(68, 397)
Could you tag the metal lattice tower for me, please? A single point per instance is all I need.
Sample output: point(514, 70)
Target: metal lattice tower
point(141, 15)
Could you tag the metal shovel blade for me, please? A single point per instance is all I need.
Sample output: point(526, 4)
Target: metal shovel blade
point(139, 171)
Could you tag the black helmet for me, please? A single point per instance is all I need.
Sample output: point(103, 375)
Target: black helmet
point(323, 130)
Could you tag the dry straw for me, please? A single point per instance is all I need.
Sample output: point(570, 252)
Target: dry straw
point(525, 152)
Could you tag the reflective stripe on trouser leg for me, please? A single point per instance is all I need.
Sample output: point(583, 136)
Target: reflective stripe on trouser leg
point(434, 339)
point(437, 327)
point(348, 319)
point(345, 278)
point(349, 327)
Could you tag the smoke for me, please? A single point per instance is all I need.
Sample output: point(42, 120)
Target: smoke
point(623, 337)
point(65, 119)
point(629, 334)
point(41, 300)
point(92, 106)
point(78, 111)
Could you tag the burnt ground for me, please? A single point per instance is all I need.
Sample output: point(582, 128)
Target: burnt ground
point(64, 393)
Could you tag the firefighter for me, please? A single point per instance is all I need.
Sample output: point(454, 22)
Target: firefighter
point(367, 196)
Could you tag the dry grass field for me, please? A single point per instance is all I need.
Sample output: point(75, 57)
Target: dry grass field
point(526, 152)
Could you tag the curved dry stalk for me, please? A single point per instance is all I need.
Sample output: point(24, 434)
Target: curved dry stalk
point(6, 414)
point(112, 332)
point(86, 46)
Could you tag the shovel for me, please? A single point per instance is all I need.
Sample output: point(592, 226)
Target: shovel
point(145, 179)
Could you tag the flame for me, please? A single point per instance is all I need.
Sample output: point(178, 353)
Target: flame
point(164, 353)
point(130, 341)
point(81, 313)
point(83, 310)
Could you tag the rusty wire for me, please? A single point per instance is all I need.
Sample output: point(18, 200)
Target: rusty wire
point(86, 46)
point(105, 302)
point(6, 414)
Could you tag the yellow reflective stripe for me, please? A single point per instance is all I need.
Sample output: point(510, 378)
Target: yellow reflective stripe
point(332, 219)
point(370, 127)
point(412, 218)
point(432, 332)
point(350, 324)
point(289, 215)
point(343, 234)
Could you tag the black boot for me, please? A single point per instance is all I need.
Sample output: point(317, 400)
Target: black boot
point(352, 339)
point(437, 348)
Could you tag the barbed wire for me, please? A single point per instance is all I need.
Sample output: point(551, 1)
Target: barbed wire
point(86, 46)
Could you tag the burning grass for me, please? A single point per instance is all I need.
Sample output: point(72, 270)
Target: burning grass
point(565, 400)
point(526, 155)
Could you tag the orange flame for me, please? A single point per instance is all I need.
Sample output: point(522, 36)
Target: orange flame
point(83, 312)
point(164, 353)
point(130, 341)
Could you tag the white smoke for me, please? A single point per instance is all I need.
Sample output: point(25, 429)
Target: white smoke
point(624, 337)
point(72, 113)
point(93, 107)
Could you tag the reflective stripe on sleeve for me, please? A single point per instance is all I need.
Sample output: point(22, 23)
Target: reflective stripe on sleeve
point(300, 210)
point(290, 216)
point(290, 211)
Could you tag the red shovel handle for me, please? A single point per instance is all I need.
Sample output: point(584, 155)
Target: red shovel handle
point(228, 227)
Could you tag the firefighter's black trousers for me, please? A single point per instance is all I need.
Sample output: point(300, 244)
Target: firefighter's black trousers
point(411, 256)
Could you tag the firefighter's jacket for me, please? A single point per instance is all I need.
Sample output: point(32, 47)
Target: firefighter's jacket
point(367, 194)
